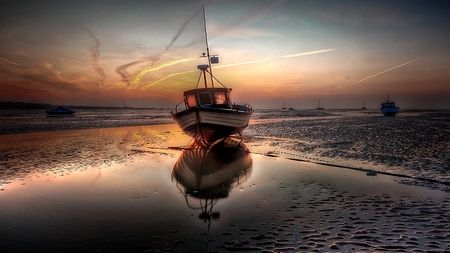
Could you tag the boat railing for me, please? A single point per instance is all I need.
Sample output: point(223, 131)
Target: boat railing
point(243, 108)
point(176, 107)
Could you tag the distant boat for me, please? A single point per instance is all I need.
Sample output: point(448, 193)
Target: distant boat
point(388, 108)
point(59, 111)
point(208, 114)
point(319, 108)
point(283, 108)
point(290, 108)
point(364, 106)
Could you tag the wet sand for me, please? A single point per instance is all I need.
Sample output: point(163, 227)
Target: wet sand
point(131, 189)
point(32, 121)
point(414, 145)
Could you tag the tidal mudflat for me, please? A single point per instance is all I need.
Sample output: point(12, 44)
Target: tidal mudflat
point(150, 189)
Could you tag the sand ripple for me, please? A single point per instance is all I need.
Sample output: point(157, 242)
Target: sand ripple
point(362, 223)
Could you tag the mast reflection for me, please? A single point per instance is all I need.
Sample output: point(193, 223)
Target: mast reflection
point(208, 173)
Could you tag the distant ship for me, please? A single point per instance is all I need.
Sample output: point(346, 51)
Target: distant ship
point(319, 108)
point(59, 111)
point(364, 106)
point(388, 108)
point(284, 108)
point(208, 114)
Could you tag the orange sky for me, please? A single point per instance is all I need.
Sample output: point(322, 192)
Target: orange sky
point(271, 52)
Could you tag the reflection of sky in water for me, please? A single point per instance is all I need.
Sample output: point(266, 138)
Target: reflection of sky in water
point(132, 203)
point(61, 153)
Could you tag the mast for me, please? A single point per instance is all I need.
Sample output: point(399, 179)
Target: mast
point(207, 49)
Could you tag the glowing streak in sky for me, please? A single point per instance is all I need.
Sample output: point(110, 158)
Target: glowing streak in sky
point(279, 57)
point(243, 63)
point(149, 69)
point(122, 70)
point(382, 72)
point(164, 78)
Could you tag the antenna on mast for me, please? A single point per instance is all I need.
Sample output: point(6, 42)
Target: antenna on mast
point(207, 49)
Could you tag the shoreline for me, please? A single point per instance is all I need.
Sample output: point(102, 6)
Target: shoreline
point(36, 121)
point(349, 139)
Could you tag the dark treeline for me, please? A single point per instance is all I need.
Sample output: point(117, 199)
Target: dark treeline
point(23, 105)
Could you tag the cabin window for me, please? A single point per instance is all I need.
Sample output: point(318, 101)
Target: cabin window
point(220, 98)
point(205, 98)
point(191, 100)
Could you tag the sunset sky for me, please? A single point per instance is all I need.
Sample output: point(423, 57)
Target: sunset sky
point(145, 53)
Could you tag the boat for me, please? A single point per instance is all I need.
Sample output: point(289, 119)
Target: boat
point(59, 111)
point(364, 106)
point(207, 113)
point(284, 108)
point(319, 108)
point(388, 108)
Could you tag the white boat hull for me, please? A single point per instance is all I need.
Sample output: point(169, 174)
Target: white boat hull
point(210, 125)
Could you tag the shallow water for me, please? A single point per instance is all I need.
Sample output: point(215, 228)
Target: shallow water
point(30, 121)
point(411, 144)
point(127, 190)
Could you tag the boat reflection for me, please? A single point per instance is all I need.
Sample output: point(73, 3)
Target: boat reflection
point(207, 174)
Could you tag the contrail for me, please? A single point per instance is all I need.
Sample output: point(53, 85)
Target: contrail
point(95, 56)
point(8, 61)
point(148, 69)
point(121, 70)
point(279, 57)
point(382, 72)
point(164, 78)
point(243, 63)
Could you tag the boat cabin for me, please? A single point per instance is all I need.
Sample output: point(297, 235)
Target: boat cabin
point(388, 104)
point(207, 97)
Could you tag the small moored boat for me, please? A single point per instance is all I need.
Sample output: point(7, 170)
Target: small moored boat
point(364, 106)
point(319, 107)
point(388, 108)
point(59, 111)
